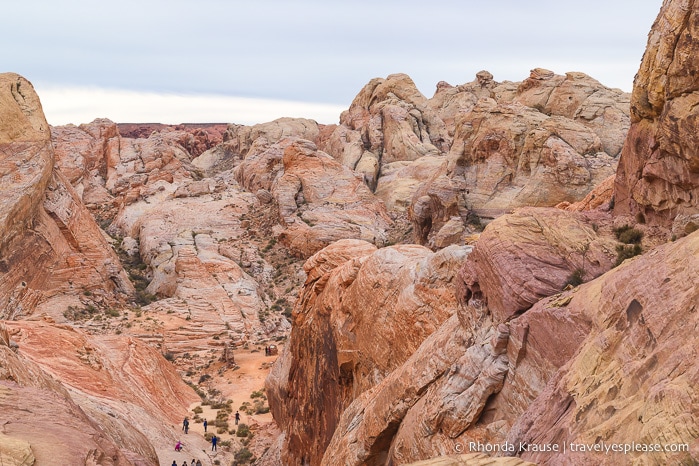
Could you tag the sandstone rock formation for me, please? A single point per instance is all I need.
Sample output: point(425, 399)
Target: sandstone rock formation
point(52, 250)
point(116, 399)
point(559, 373)
point(633, 377)
point(658, 175)
point(196, 138)
point(191, 240)
point(524, 257)
point(600, 197)
point(356, 304)
point(547, 140)
point(319, 200)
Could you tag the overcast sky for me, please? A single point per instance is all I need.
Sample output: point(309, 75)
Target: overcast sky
point(176, 61)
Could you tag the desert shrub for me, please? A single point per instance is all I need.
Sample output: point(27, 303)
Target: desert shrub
point(261, 407)
point(575, 278)
point(258, 394)
point(169, 356)
point(628, 235)
point(242, 456)
point(626, 252)
point(204, 378)
point(197, 410)
point(475, 221)
point(243, 431)
point(246, 407)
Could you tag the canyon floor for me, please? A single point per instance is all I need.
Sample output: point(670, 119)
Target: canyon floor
point(236, 384)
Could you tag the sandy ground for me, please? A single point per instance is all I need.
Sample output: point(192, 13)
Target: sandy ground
point(236, 385)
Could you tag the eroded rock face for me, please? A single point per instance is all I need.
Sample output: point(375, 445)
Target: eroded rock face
point(117, 397)
point(529, 255)
point(634, 375)
point(395, 121)
point(190, 241)
point(242, 137)
point(658, 174)
point(318, 199)
point(547, 140)
point(52, 249)
point(196, 138)
point(607, 361)
point(27, 159)
point(356, 303)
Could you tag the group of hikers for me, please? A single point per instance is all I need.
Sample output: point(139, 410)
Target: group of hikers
point(214, 440)
point(184, 463)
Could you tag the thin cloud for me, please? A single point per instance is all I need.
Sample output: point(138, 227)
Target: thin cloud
point(65, 105)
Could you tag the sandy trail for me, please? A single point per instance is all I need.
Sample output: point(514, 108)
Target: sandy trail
point(236, 385)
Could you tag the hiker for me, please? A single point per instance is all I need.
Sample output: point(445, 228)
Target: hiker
point(214, 441)
point(186, 425)
point(198, 463)
point(178, 447)
point(193, 462)
point(205, 424)
point(174, 463)
point(237, 417)
point(184, 463)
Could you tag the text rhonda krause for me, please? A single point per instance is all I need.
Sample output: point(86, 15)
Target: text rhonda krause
point(602, 447)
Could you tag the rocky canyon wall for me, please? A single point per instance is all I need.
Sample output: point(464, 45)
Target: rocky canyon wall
point(658, 176)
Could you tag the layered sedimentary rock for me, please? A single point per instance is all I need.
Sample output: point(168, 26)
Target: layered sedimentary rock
point(115, 401)
point(356, 304)
point(600, 197)
point(53, 252)
point(634, 376)
point(658, 175)
point(192, 240)
point(319, 200)
point(607, 362)
point(546, 140)
point(196, 138)
point(529, 255)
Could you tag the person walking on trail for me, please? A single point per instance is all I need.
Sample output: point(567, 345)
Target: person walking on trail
point(186, 425)
point(205, 424)
point(174, 463)
point(193, 463)
point(214, 441)
point(198, 463)
point(237, 417)
point(178, 447)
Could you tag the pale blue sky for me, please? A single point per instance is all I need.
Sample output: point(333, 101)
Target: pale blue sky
point(310, 51)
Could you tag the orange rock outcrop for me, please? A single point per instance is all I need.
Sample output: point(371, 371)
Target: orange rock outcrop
point(658, 176)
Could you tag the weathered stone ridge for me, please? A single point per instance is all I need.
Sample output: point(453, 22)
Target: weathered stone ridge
point(658, 176)
point(357, 303)
point(51, 248)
